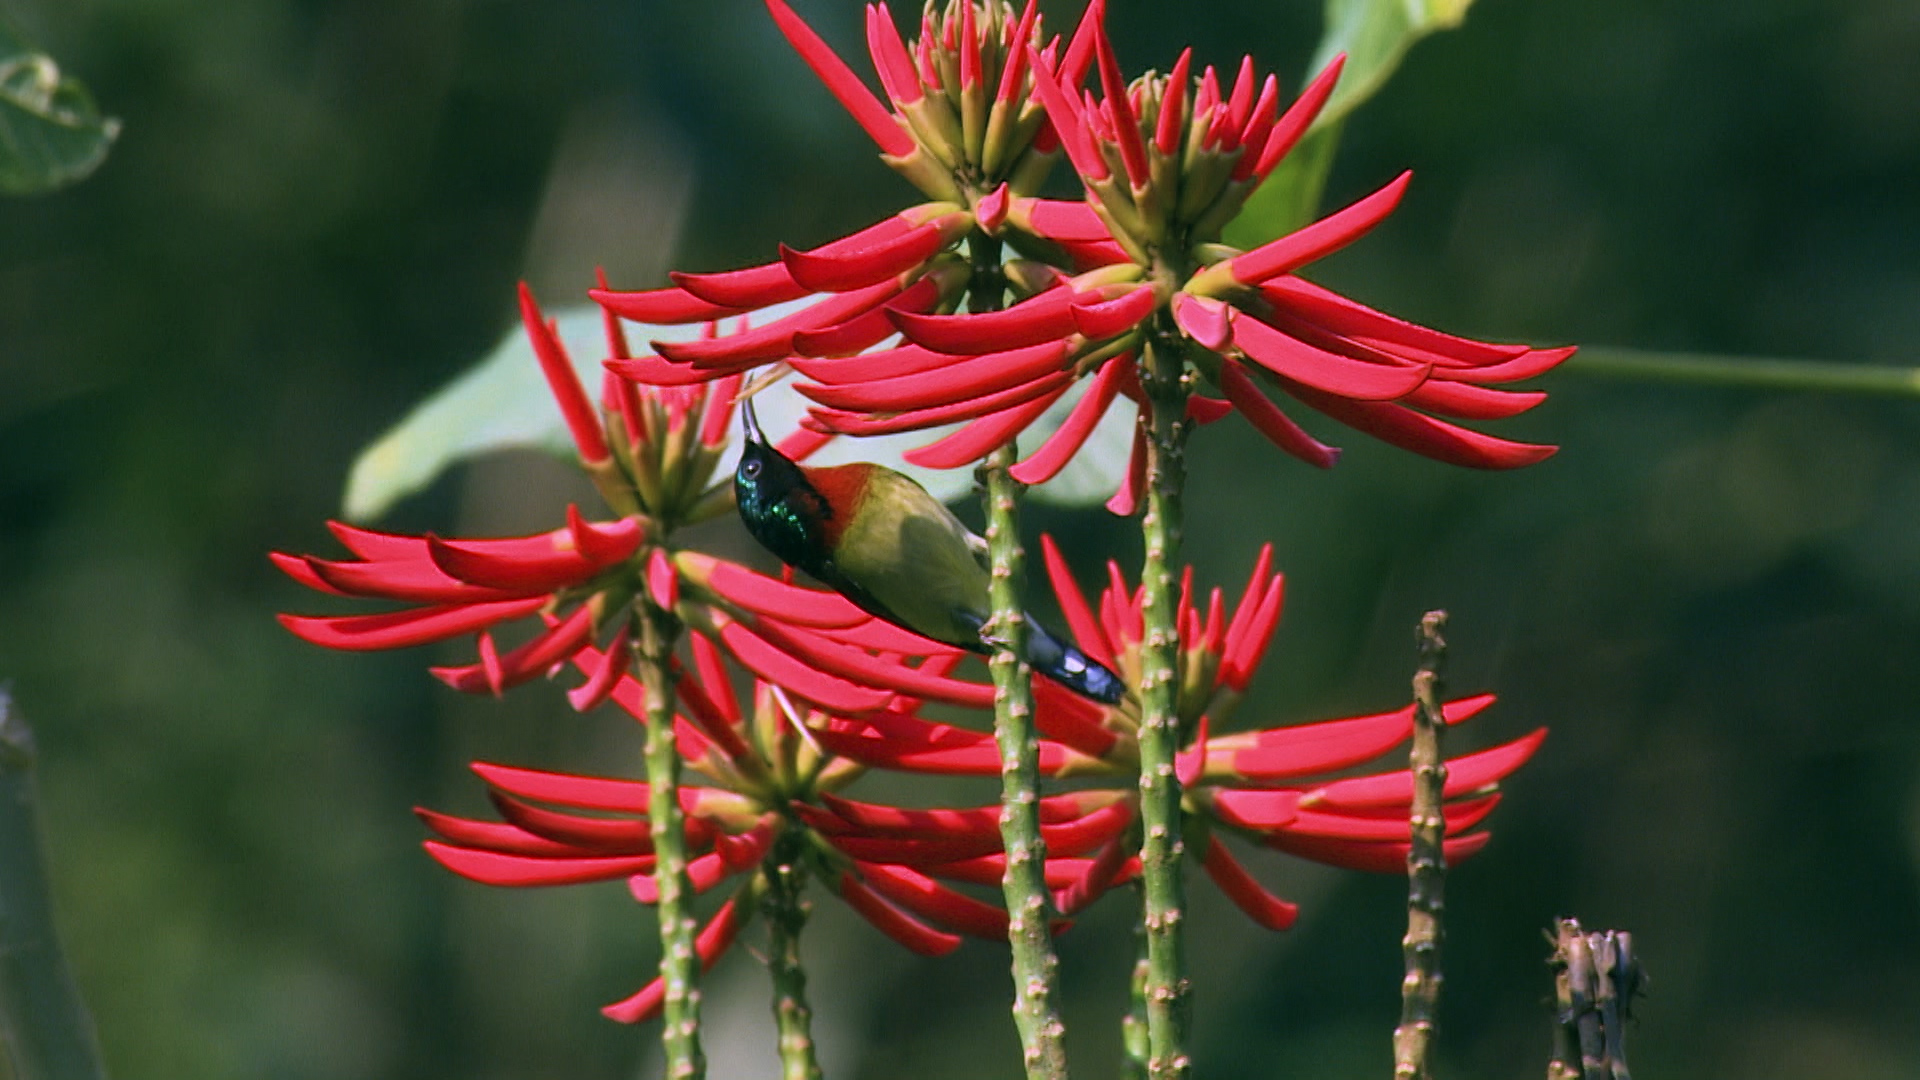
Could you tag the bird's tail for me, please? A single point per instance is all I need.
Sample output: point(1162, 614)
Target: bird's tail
point(1070, 667)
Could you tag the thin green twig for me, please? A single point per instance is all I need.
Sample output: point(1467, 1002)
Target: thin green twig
point(1757, 373)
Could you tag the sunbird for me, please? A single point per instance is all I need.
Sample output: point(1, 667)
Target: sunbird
point(882, 541)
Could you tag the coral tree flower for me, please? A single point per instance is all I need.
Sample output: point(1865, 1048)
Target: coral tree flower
point(768, 797)
point(1166, 163)
point(652, 452)
point(1277, 787)
point(959, 122)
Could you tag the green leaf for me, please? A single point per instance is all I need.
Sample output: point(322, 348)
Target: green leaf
point(503, 403)
point(1375, 35)
point(51, 135)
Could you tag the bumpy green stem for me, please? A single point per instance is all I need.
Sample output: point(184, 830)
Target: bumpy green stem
point(679, 964)
point(1024, 884)
point(1042, 1034)
point(43, 1023)
point(786, 911)
point(1165, 379)
point(1426, 863)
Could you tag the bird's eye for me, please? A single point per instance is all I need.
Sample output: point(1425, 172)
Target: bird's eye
point(750, 470)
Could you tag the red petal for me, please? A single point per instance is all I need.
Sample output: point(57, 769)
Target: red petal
point(1464, 775)
point(1069, 719)
point(893, 922)
point(521, 871)
point(776, 666)
point(1101, 319)
point(774, 341)
point(602, 836)
point(868, 329)
point(398, 629)
point(749, 287)
point(983, 435)
point(1059, 220)
point(1045, 463)
point(1268, 420)
point(928, 898)
point(1469, 402)
point(529, 661)
point(1320, 239)
point(1378, 858)
point(1173, 106)
point(661, 307)
point(772, 597)
point(823, 270)
point(714, 939)
point(562, 789)
point(1042, 319)
point(1409, 430)
point(1246, 893)
point(865, 669)
point(842, 83)
point(891, 61)
point(493, 836)
point(583, 420)
point(961, 408)
point(1320, 369)
point(1299, 116)
point(1073, 605)
point(1127, 499)
point(1347, 318)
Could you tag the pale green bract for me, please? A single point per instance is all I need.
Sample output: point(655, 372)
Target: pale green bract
point(51, 135)
point(1375, 35)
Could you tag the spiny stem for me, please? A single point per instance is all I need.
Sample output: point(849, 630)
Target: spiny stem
point(679, 964)
point(1165, 379)
point(786, 910)
point(43, 1022)
point(1035, 966)
point(1426, 863)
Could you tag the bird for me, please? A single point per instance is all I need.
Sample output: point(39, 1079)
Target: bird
point(878, 538)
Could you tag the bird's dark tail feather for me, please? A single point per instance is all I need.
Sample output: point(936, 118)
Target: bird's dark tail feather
point(1070, 667)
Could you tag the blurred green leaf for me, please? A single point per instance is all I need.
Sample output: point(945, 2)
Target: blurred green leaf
point(51, 134)
point(1375, 36)
point(503, 403)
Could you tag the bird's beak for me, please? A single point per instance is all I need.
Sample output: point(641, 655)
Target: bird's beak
point(752, 422)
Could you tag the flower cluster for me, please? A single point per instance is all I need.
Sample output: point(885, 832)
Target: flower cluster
point(1166, 161)
point(652, 452)
point(768, 799)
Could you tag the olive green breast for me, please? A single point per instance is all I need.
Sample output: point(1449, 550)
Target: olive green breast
point(911, 554)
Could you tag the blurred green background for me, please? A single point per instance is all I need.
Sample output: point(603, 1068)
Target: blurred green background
point(316, 214)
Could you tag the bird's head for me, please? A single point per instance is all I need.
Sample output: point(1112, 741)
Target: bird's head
point(780, 508)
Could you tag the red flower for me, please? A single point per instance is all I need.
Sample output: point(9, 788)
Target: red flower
point(960, 124)
point(652, 452)
point(1270, 786)
point(770, 795)
point(1166, 163)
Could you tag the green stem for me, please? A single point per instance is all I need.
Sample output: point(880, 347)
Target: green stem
point(1426, 863)
point(679, 964)
point(1748, 372)
point(43, 1022)
point(1035, 967)
point(1036, 1013)
point(786, 910)
point(1165, 379)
